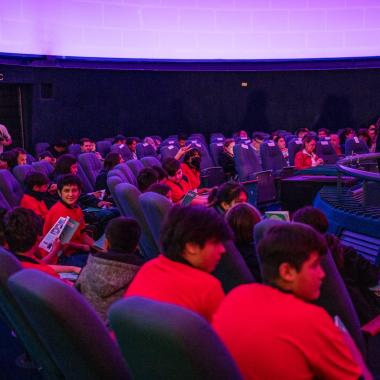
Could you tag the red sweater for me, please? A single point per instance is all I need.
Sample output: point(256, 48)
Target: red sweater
point(169, 281)
point(39, 207)
point(193, 175)
point(178, 190)
point(274, 335)
point(303, 160)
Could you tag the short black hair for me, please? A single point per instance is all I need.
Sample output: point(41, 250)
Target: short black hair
point(123, 234)
point(118, 138)
point(19, 238)
point(258, 136)
point(171, 166)
point(226, 193)
point(35, 179)
point(289, 243)
point(44, 154)
point(182, 137)
point(64, 164)
point(145, 178)
point(84, 140)
point(130, 140)
point(159, 188)
point(67, 180)
point(191, 224)
point(312, 217)
point(191, 153)
point(160, 172)
point(111, 160)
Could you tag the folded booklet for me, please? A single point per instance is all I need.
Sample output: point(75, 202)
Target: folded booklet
point(63, 229)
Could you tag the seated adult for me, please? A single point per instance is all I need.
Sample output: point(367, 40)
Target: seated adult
point(112, 159)
point(132, 144)
point(69, 188)
point(306, 157)
point(19, 157)
point(335, 142)
point(23, 242)
point(323, 133)
point(257, 140)
point(227, 195)
point(146, 178)
point(35, 193)
point(47, 156)
point(226, 158)
point(281, 143)
point(58, 148)
point(271, 330)
point(357, 272)
point(242, 218)
point(107, 275)
point(301, 132)
point(85, 145)
point(192, 241)
point(179, 187)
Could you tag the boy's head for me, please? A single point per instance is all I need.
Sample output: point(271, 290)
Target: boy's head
point(69, 188)
point(313, 217)
point(290, 259)
point(196, 234)
point(173, 169)
point(123, 234)
point(131, 143)
point(161, 188)
point(47, 156)
point(36, 181)
point(19, 238)
point(146, 177)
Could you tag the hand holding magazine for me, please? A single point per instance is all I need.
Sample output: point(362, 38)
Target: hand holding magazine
point(63, 229)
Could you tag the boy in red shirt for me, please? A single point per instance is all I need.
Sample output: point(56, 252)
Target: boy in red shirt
point(271, 330)
point(69, 189)
point(191, 239)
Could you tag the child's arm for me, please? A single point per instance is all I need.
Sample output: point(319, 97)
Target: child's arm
point(65, 269)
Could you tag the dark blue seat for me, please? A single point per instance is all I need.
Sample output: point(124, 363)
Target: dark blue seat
point(215, 149)
point(44, 167)
point(168, 151)
point(327, 152)
point(136, 166)
point(41, 147)
point(30, 159)
point(355, 146)
point(294, 146)
point(103, 147)
point(21, 171)
point(69, 327)
point(91, 166)
point(145, 150)
point(271, 157)
point(127, 173)
point(162, 341)
point(74, 150)
point(123, 150)
point(10, 188)
point(149, 162)
point(246, 162)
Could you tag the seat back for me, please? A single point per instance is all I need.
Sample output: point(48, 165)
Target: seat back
point(215, 149)
point(326, 151)
point(145, 150)
point(43, 167)
point(91, 166)
point(103, 147)
point(68, 326)
point(271, 156)
point(198, 136)
point(149, 162)
point(74, 150)
point(168, 151)
point(123, 150)
point(246, 162)
point(17, 320)
point(21, 171)
point(136, 166)
point(10, 188)
point(163, 341)
point(212, 176)
point(40, 148)
point(88, 187)
point(294, 146)
point(127, 196)
point(30, 159)
point(355, 146)
point(206, 161)
point(127, 173)
point(155, 207)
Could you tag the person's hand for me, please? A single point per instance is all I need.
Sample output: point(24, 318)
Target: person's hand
point(52, 188)
point(181, 152)
point(319, 161)
point(57, 245)
point(104, 204)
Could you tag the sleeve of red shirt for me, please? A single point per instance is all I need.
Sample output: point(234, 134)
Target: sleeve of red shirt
point(213, 297)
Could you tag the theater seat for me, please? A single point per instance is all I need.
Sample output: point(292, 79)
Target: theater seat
point(327, 152)
point(91, 166)
point(16, 319)
point(43, 167)
point(145, 150)
point(21, 171)
point(216, 148)
point(123, 150)
point(103, 147)
point(246, 162)
point(162, 341)
point(127, 173)
point(69, 327)
point(149, 162)
point(355, 146)
point(136, 166)
point(74, 150)
point(168, 151)
point(41, 147)
point(271, 157)
point(10, 188)
point(155, 207)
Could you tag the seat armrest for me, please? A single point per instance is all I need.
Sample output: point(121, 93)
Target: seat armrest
point(372, 328)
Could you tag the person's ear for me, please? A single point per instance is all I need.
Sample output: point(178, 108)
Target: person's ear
point(59, 193)
point(191, 248)
point(225, 206)
point(287, 272)
point(35, 188)
point(106, 244)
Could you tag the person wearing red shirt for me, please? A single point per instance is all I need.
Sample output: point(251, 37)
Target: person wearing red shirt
point(191, 239)
point(179, 187)
point(36, 186)
point(69, 189)
point(306, 158)
point(191, 168)
point(271, 330)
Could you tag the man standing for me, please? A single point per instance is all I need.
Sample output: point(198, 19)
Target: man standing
point(5, 137)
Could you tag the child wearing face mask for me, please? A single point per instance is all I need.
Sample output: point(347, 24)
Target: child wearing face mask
point(191, 168)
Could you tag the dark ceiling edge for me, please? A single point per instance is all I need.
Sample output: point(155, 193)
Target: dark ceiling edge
point(43, 61)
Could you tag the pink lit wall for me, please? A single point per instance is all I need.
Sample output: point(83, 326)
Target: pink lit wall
point(191, 29)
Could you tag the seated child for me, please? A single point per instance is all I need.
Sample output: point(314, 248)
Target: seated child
point(179, 187)
point(192, 240)
point(106, 276)
point(69, 189)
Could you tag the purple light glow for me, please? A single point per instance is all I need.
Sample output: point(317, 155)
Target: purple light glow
point(191, 29)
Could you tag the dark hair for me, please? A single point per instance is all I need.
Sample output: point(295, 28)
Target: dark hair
point(60, 144)
point(84, 140)
point(64, 164)
point(130, 140)
point(227, 192)
point(160, 172)
point(10, 157)
point(45, 154)
point(191, 224)
point(190, 154)
point(228, 142)
point(118, 138)
point(324, 130)
point(182, 136)
point(68, 180)
point(171, 166)
point(19, 238)
point(111, 160)
point(159, 188)
point(13, 158)
point(301, 130)
point(35, 179)
point(145, 178)
point(123, 234)
point(276, 138)
point(313, 217)
point(242, 218)
point(363, 132)
point(289, 243)
point(258, 136)
point(308, 138)
point(3, 212)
